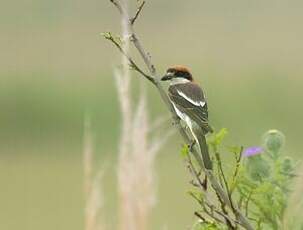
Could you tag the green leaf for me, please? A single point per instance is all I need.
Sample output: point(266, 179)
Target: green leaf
point(220, 136)
point(184, 151)
point(217, 138)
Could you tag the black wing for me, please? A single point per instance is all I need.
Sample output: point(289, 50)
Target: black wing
point(189, 99)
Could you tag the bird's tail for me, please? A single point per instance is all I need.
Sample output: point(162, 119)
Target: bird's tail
point(204, 151)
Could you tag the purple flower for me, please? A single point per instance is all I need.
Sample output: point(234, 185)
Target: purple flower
point(252, 151)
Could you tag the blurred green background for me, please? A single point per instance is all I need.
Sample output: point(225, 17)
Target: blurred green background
point(54, 65)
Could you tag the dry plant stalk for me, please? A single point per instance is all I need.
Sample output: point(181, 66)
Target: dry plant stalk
point(136, 187)
point(92, 184)
point(152, 77)
point(292, 215)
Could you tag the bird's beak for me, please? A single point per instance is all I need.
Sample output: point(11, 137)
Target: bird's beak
point(167, 76)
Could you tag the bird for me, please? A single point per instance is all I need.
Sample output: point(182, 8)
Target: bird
point(190, 105)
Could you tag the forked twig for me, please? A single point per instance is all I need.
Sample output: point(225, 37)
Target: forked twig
point(109, 37)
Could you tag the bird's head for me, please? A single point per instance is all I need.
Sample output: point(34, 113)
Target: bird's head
point(177, 73)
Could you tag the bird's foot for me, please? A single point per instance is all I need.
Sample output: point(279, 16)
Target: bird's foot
point(176, 122)
point(190, 146)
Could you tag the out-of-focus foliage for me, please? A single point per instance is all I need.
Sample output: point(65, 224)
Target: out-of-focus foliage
point(260, 183)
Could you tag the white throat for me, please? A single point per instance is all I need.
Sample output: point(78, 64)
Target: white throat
point(178, 80)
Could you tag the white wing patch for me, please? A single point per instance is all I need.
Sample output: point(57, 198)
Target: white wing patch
point(183, 116)
point(178, 112)
point(186, 119)
point(202, 103)
point(197, 103)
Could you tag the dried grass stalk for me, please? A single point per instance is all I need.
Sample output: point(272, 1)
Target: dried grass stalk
point(92, 184)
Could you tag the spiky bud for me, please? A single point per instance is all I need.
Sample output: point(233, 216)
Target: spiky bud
point(273, 141)
point(258, 168)
point(287, 165)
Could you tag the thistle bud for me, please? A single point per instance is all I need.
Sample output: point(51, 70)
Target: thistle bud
point(273, 140)
point(287, 165)
point(258, 168)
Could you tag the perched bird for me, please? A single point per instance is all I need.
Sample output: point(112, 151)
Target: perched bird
point(190, 105)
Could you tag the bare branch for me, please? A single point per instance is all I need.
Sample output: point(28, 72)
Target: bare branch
point(109, 37)
point(224, 211)
point(218, 158)
point(224, 214)
point(195, 174)
point(212, 215)
point(236, 172)
point(145, 56)
point(226, 217)
point(133, 20)
point(221, 170)
point(200, 216)
point(147, 60)
point(118, 5)
point(134, 39)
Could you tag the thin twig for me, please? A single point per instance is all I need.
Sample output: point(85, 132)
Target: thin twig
point(195, 174)
point(236, 172)
point(219, 174)
point(212, 213)
point(117, 4)
point(134, 39)
point(224, 179)
point(204, 205)
point(202, 186)
point(221, 171)
point(109, 37)
point(226, 217)
point(133, 20)
point(197, 214)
